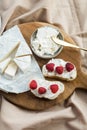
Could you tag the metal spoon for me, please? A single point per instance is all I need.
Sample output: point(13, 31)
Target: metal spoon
point(67, 44)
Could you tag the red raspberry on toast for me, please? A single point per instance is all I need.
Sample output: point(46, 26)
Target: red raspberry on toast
point(69, 67)
point(54, 88)
point(33, 84)
point(50, 67)
point(42, 90)
point(59, 69)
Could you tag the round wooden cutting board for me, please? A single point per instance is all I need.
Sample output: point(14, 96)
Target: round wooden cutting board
point(27, 99)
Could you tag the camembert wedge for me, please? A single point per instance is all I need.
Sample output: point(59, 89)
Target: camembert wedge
point(23, 50)
point(11, 70)
point(4, 64)
point(23, 63)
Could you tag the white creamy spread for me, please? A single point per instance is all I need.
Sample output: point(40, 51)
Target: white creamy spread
point(46, 84)
point(65, 75)
point(42, 43)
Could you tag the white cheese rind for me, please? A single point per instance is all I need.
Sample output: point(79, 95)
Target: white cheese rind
point(17, 35)
point(4, 64)
point(11, 70)
point(8, 40)
point(7, 47)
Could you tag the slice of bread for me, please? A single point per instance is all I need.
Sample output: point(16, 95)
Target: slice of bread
point(60, 69)
point(46, 89)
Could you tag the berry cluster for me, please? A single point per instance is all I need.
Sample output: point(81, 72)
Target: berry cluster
point(42, 90)
point(59, 69)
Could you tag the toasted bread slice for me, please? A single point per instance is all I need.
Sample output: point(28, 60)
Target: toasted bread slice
point(60, 69)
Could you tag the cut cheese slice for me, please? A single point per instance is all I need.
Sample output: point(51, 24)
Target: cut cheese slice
point(23, 62)
point(24, 66)
point(6, 47)
point(11, 70)
point(23, 50)
point(4, 64)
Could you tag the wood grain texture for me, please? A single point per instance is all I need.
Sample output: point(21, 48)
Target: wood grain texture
point(28, 100)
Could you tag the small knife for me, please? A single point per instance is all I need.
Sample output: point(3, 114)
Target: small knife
point(67, 44)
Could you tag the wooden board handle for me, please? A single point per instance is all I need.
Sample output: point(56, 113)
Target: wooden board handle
point(83, 80)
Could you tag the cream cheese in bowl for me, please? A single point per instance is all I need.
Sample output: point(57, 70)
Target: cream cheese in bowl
point(42, 44)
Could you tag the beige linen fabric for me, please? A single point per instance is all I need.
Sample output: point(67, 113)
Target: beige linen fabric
point(71, 16)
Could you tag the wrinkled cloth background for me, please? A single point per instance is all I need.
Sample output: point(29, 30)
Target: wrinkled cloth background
point(72, 17)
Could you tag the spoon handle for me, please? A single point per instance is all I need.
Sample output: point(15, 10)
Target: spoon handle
point(63, 43)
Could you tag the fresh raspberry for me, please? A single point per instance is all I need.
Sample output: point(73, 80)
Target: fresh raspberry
point(41, 90)
point(54, 88)
point(50, 67)
point(33, 84)
point(59, 69)
point(69, 67)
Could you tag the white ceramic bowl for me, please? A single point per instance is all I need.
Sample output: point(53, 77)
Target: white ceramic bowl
point(42, 44)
